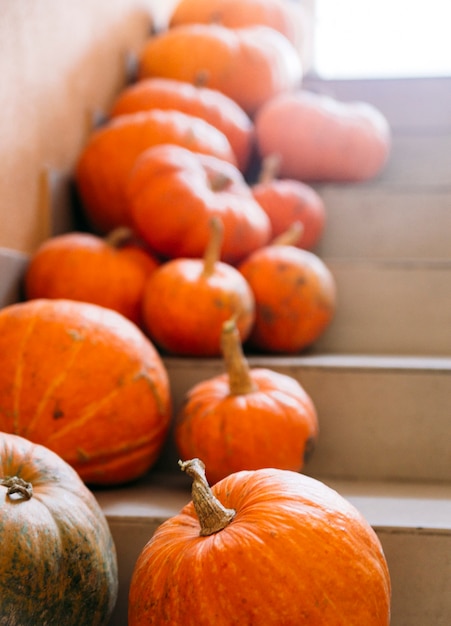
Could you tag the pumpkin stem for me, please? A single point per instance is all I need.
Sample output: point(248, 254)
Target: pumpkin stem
point(237, 366)
point(213, 251)
point(119, 236)
point(291, 236)
point(270, 168)
point(17, 485)
point(213, 516)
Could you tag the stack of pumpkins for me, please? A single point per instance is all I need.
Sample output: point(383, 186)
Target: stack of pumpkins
point(203, 221)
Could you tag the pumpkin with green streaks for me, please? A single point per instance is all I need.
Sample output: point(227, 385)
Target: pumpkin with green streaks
point(58, 560)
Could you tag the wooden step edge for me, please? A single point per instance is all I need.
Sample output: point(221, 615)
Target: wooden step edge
point(323, 361)
point(405, 507)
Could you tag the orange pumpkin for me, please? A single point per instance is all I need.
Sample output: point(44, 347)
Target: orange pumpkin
point(286, 201)
point(246, 418)
point(186, 301)
point(250, 65)
point(265, 547)
point(172, 193)
point(111, 151)
point(319, 138)
point(58, 560)
point(110, 272)
point(85, 382)
point(289, 18)
point(295, 297)
point(209, 104)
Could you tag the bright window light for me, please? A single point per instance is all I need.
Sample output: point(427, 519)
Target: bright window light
point(383, 38)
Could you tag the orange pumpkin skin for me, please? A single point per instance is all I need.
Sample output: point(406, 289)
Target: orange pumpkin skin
point(85, 382)
point(249, 65)
point(82, 266)
point(209, 104)
point(286, 201)
point(295, 298)
point(172, 193)
point(58, 560)
point(111, 151)
point(319, 138)
point(288, 18)
point(295, 552)
point(274, 425)
point(184, 309)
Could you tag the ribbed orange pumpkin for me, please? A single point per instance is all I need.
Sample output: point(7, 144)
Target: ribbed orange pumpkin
point(85, 382)
point(58, 560)
point(186, 301)
point(250, 65)
point(289, 18)
point(209, 104)
point(320, 138)
point(267, 547)
point(111, 151)
point(246, 418)
point(172, 194)
point(110, 272)
point(295, 297)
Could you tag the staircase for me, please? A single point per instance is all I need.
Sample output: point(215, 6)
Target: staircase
point(380, 376)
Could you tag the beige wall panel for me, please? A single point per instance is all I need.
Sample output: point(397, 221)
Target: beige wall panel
point(59, 62)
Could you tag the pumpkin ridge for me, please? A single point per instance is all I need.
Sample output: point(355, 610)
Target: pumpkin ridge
point(26, 429)
point(18, 378)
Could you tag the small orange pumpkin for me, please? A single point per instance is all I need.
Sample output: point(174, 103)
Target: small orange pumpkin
point(85, 382)
point(209, 104)
point(265, 547)
point(246, 418)
point(58, 560)
point(295, 297)
point(111, 151)
point(250, 65)
point(172, 193)
point(186, 301)
point(319, 138)
point(81, 266)
point(289, 18)
point(286, 201)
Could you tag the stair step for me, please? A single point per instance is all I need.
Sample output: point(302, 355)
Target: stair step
point(413, 522)
point(378, 222)
point(390, 307)
point(381, 418)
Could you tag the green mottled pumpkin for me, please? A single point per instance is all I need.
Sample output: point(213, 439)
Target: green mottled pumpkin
point(58, 560)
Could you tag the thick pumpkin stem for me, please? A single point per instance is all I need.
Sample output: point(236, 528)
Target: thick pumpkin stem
point(16, 485)
point(213, 251)
point(237, 367)
point(291, 236)
point(213, 516)
point(119, 236)
point(270, 168)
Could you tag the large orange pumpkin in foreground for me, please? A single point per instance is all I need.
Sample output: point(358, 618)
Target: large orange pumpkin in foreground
point(85, 382)
point(246, 418)
point(110, 272)
point(111, 151)
point(58, 560)
point(267, 547)
point(209, 104)
point(249, 65)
